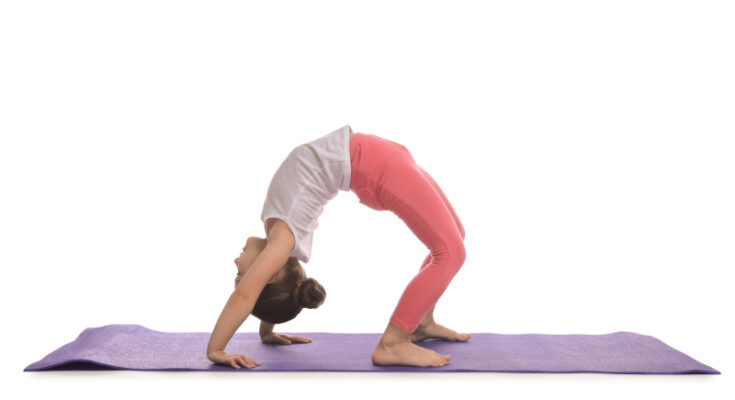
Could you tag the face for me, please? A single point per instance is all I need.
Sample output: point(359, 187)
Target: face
point(245, 260)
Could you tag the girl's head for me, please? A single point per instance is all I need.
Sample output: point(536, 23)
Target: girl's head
point(284, 299)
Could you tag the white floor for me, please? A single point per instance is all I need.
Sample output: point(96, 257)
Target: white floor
point(130, 384)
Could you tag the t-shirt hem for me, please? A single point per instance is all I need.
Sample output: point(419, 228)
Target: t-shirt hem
point(347, 166)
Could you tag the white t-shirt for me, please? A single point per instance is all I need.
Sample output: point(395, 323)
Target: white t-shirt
point(310, 176)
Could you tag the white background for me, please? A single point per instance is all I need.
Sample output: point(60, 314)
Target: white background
point(587, 148)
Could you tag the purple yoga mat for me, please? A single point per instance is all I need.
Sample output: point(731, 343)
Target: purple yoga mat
point(139, 348)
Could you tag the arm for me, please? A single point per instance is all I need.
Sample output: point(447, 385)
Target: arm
point(242, 300)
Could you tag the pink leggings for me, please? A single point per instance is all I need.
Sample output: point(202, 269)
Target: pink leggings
point(384, 176)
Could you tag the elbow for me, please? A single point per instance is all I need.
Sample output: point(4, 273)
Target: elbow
point(247, 292)
point(240, 296)
point(242, 303)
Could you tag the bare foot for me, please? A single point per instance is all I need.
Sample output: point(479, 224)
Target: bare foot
point(408, 354)
point(437, 331)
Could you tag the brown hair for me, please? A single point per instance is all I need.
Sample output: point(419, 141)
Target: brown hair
point(283, 300)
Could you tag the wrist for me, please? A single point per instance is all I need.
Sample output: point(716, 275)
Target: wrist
point(214, 353)
point(266, 328)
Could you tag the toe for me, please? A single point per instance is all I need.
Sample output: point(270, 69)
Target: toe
point(439, 361)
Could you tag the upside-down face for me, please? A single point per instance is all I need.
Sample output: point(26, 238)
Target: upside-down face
point(252, 248)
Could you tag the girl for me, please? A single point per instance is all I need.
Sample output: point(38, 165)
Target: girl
point(271, 283)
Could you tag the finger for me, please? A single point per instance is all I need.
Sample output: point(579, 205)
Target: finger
point(299, 339)
point(233, 364)
point(245, 363)
point(251, 363)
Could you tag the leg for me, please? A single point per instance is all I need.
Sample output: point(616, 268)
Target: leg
point(446, 201)
point(429, 316)
point(424, 211)
point(428, 328)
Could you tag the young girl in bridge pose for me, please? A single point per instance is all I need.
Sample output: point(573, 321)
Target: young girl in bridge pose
point(271, 283)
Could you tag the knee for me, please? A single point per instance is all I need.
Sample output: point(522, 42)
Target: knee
point(457, 256)
point(460, 254)
point(452, 256)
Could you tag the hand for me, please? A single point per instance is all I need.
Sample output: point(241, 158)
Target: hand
point(232, 360)
point(279, 338)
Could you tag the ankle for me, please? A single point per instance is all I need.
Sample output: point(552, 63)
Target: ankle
point(394, 336)
point(425, 323)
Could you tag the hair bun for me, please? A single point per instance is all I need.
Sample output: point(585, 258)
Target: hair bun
point(310, 293)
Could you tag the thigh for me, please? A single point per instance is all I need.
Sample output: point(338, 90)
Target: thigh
point(446, 200)
point(413, 198)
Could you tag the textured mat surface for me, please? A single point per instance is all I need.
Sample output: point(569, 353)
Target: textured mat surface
point(139, 348)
